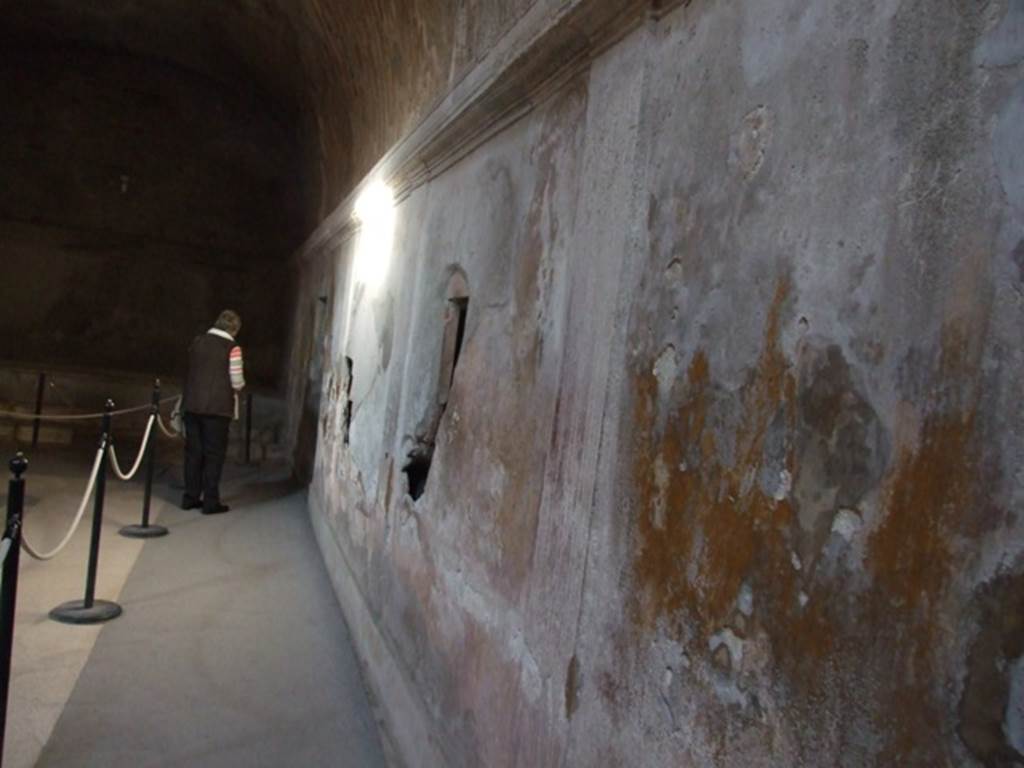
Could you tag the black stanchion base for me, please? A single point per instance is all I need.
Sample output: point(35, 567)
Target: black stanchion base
point(75, 612)
point(143, 531)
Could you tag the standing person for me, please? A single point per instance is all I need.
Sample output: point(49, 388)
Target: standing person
point(211, 390)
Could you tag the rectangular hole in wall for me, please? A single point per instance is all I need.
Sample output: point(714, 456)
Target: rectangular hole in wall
point(454, 332)
point(417, 467)
point(416, 471)
point(462, 307)
point(348, 398)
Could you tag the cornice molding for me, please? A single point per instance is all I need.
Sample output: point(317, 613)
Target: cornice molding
point(551, 43)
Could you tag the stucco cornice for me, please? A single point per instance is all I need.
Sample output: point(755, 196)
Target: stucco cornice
point(551, 43)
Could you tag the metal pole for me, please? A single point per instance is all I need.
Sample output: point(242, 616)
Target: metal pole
point(90, 610)
point(97, 509)
point(248, 427)
point(147, 531)
point(40, 391)
point(15, 511)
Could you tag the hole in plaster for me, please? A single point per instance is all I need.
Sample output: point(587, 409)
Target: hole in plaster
point(573, 683)
point(462, 307)
point(416, 472)
point(417, 467)
point(451, 347)
point(348, 398)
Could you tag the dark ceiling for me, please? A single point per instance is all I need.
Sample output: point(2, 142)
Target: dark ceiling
point(181, 150)
point(243, 43)
point(352, 75)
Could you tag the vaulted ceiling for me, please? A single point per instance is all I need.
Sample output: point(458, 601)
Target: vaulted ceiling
point(245, 43)
point(181, 150)
point(352, 75)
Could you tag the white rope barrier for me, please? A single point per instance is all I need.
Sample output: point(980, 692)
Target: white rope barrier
point(163, 428)
point(32, 551)
point(138, 458)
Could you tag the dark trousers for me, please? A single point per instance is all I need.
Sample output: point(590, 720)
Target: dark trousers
point(206, 447)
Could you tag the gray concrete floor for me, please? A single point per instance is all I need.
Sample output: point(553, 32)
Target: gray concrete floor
point(232, 650)
point(47, 656)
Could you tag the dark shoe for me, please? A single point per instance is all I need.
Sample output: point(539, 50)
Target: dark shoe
point(216, 510)
point(187, 502)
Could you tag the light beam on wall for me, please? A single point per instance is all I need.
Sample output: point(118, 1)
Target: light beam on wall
point(375, 212)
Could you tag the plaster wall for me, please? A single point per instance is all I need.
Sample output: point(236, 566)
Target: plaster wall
point(729, 471)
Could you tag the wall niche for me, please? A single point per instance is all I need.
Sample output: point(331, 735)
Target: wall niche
point(421, 453)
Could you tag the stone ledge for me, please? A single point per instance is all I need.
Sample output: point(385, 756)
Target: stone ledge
point(552, 42)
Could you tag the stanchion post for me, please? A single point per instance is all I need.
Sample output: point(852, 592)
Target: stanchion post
point(97, 510)
point(40, 391)
point(90, 610)
point(147, 531)
point(248, 427)
point(8, 598)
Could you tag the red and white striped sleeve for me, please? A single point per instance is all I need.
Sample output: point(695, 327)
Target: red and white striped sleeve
point(235, 368)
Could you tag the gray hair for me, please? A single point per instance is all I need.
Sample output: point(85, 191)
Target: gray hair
point(229, 321)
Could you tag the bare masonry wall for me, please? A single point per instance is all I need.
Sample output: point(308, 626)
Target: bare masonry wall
point(729, 473)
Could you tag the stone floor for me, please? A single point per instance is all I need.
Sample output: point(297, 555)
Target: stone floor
point(232, 650)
